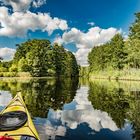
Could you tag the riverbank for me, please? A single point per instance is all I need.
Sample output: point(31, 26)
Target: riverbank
point(131, 75)
point(15, 74)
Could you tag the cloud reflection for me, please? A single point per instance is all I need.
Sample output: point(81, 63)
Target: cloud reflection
point(5, 98)
point(79, 111)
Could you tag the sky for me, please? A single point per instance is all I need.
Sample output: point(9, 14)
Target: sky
point(79, 25)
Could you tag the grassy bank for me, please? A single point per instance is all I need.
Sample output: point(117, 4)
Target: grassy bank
point(132, 74)
point(15, 74)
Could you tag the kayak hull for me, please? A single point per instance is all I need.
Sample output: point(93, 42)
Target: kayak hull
point(28, 129)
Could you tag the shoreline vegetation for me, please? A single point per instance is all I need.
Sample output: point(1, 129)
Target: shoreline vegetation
point(39, 58)
point(126, 75)
point(118, 59)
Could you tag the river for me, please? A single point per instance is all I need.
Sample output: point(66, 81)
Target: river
point(73, 109)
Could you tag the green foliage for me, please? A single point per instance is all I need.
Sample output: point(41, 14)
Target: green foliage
point(13, 68)
point(41, 59)
point(135, 28)
point(23, 65)
point(108, 56)
point(4, 66)
point(3, 69)
point(133, 50)
point(72, 68)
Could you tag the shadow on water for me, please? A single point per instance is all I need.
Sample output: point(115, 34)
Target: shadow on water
point(74, 109)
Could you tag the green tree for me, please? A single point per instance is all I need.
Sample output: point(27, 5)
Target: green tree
point(60, 59)
point(135, 28)
point(71, 65)
point(109, 55)
point(119, 56)
point(41, 59)
point(23, 65)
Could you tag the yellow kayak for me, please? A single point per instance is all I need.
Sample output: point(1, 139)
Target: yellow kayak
point(16, 123)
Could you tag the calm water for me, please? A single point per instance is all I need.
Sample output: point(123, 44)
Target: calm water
point(73, 109)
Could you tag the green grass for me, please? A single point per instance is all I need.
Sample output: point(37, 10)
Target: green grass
point(126, 74)
point(15, 74)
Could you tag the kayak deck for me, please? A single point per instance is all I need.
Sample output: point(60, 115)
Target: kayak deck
point(28, 128)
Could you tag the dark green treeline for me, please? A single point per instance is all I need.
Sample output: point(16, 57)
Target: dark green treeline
point(118, 53)
point(40, 58)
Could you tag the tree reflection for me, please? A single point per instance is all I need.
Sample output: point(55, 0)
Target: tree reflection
point(42, 94)
point(115, 99)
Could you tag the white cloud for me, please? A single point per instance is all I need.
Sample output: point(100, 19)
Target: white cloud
point(38, 3)
point(18, 5)
point(23, 5)
point(85, 41)
point(91, 23)
point(18, 23)
point(58, 40)
point(7, 53)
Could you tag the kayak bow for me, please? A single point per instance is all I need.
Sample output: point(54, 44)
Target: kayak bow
point(16, 123)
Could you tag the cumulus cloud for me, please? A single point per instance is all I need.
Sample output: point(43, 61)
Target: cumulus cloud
point(18, 23)
point(85, 41)
point(23, 5)
point(18, 5)
point(7, 53)
point(58, 40)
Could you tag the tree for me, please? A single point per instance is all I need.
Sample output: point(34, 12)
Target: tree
point(40, 58)
point(23, 65)
point(1, 58)
point(133, 50)
point(133, 44)
point(71, 66)
point(119, 55)
point(109, 55)
point(135, 28)
point(37, 61)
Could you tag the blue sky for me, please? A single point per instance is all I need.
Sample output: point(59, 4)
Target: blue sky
point(77, 24)
point(105, 13)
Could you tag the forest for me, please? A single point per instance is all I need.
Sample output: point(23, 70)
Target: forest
point(39, 58)
point(119, 54)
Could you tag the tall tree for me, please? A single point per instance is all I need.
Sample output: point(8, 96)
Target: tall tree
point(1, 58)
point(119, 55)
point(135, 28)
point(109, 55)
point(133, 44)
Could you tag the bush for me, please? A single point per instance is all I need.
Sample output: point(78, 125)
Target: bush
point(13, 68)
point(9, 74)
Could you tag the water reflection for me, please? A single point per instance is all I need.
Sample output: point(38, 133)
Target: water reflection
point(79, 119)
point(79, 111)
point(122, 102)
point(64, 109)
point(5, 98)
